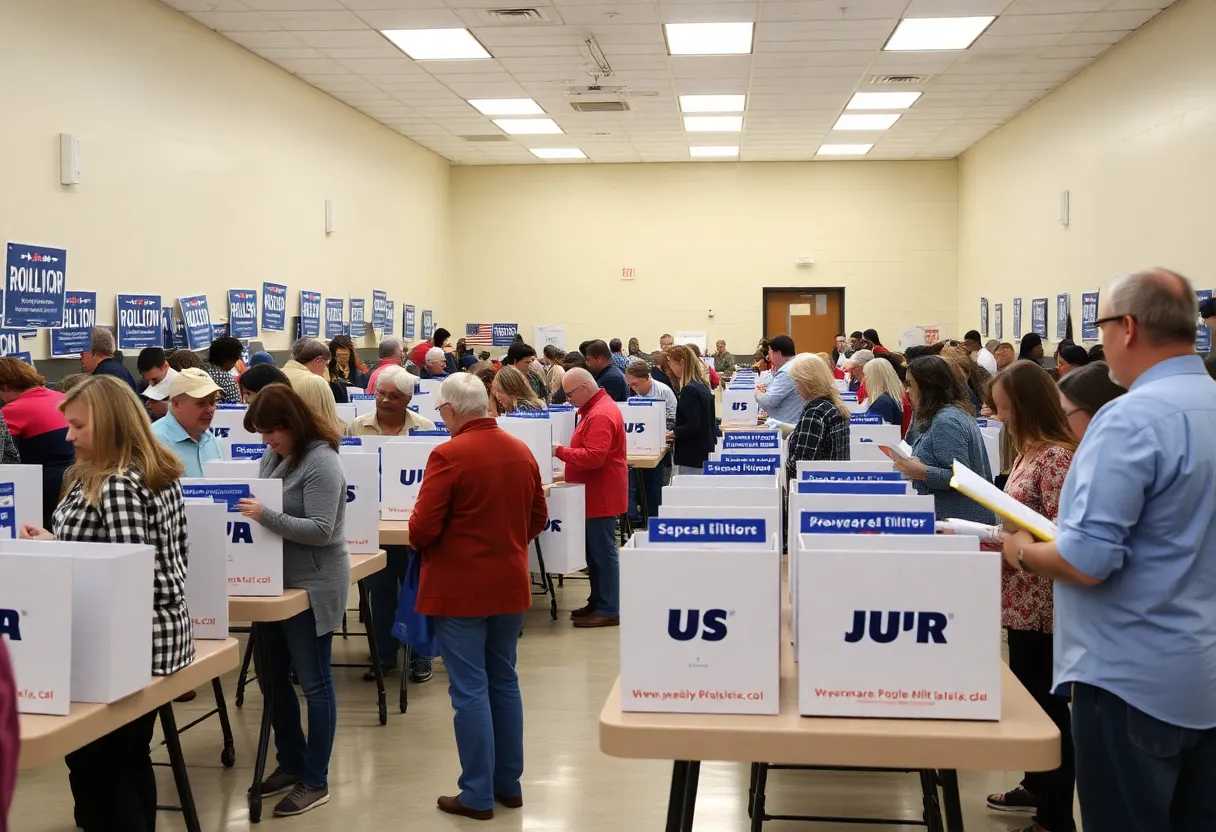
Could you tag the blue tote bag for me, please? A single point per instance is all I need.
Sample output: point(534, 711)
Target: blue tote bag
point(409, 627)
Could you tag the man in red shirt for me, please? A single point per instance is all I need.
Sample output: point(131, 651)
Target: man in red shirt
point(392, 354)
point(596, 458)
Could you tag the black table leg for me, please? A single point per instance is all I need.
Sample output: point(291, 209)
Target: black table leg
point(758, 813)
point(243, 678)
point(950, 800)
point(365, 612)
point(690, 795)
point(228, 755)
point(643, 506)
point(675, 799)
point(546, 581)
point(267, 680)
point(172, 742)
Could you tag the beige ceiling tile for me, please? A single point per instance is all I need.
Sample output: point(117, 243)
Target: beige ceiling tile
point(346, 38)
point(1023, 7)
point(294, 5)
point(1089, 51)
point(704, 86)
point(858, 59)
point(1118, 21)
point(344, 54)
point(381, 66)
point(722, 67)
point(847, 45)
point(796, 74)
point(441, 69)
point(609, 14)
point(816, 30)
point(471, 87)
point(954, 8)
point(708, 12)
point(376, 5)
point(236, 21)
point(990, 68)
point(1128, 5)
point(793, 10)
point(312, 66)
point(1019, 41)
point(338, 84)
point(411, 18)
point(913, 63)
point(1036, 24)
point(1090, 38)
point(527, 37)
point(278, 54)
point(509, 53)
point(264, 39)
point(316, 21)
point(207, 5)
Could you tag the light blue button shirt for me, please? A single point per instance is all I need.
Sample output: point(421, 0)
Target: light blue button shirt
point(660, 391)
point(781, 400)
point(1138, 512)
point(192, 454)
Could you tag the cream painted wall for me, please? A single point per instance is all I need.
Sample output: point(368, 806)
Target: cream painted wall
point(546, 244)
point(205, 167)
point(1133, 139)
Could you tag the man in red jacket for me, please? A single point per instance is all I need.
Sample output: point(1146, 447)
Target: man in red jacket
point(596, 458)
point(481, 504)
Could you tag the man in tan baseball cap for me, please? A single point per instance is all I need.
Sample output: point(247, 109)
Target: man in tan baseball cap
point(185, 429)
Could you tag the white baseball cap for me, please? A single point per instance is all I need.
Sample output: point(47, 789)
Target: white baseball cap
point(160, 391)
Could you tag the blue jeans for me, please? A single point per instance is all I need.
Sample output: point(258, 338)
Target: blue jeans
point(295, 643)
point(652, 481)
point(479, 654)
point(383, 588)
point(603, 567)
point(1136, 773)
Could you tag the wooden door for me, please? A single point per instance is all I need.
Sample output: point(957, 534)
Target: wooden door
point(812, 317)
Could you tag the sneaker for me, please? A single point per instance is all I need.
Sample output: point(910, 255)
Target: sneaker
point(421, 671)
point(300, 800)
point(1014, 800)
point(582, 612)
point(277, 783)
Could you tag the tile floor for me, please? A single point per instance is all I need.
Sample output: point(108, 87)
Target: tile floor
point(387, 777)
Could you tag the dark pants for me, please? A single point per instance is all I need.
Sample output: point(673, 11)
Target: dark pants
point(383, 587)
point(603, 566)
point(1136, 773)
point(1030, 659)
point(295, 643)
point(112, 780)
point(652, 481)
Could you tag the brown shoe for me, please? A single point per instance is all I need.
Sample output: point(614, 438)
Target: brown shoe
point(582, 612)
point(510, 802)
point(453, 806)
point(597, 620)
point(188, 696)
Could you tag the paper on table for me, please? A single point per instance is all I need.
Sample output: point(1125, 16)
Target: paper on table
point(898, 453)
point(967, 482)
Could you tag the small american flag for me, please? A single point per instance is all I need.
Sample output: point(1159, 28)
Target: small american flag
point(479, 334)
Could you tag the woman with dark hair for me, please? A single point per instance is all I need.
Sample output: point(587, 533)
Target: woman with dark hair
point(1069, 357)
point(1097, 353)
point(344, 364)
point(876, 346)
point(635, 350)
point(1027, 401)
point(302, 451)
point(37, 426)
point(569, 362)
point(554, 371)
point(1083, 392)
point(943, 430)
point(1031, 348)
point(761, 359)
point(258, 376)
point(182, 359)
point(696, 429)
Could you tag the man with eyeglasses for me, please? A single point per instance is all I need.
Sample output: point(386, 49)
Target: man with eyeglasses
point(1134, 565)
point(392, 417)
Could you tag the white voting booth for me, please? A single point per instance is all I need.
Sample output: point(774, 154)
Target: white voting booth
point(533, 429)
point(228, 425)
point(991, 429)
point(36, 622)
point(769, 514)
point(207, 575)
point(20, 498)
point(645, 426)
point(255, 554)
point(364, 403)
point(347, 411)
point(220, 468)
point(710, 645)
point(878, 434)
point(561, 421)
point(739, 405)
point(402, 466)
point(423, 404)
point(564, 540)
point(362, 502)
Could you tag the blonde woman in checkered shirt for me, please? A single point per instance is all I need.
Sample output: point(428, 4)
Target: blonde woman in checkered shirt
point(124, 488)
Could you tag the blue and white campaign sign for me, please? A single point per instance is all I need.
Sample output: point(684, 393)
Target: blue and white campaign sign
point(335, 312)
point(1089, 316)
point(390, 316)
point(1203, 334)
point(379, 308)
point(310, 314)
point(243, 313)
point(751, 439)
point(246, 450)
point(23, 357)
point(984, 316)
point(844, 486)
point(503, 335)
point(696, 531)
point(1038, 316)
point(998, 320)
point(1017, 317)
point(408, 325)
point(852, 476)
point(428, 323)
point(35, 286)
point(274, 307)
point(865, 419)
point(867, 522)
point(138, 322)
point(1063, 313)
point(198, 321)
point(735, 467)
point(358, 325)
point(79, 316)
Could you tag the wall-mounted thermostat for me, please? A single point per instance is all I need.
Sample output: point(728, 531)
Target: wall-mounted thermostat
point(69, 159)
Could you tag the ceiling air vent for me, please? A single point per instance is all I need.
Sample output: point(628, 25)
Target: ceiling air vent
point(492, 137)
point(526, 14)
point(899, 79)
point(600, 106)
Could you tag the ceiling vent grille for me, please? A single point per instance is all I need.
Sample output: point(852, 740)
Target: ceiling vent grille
point(528, 14)
point(492, 137)
point(899, 80)
point(600, 106)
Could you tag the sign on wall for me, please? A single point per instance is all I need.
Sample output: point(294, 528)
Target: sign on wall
point(1017, 317)
point(243, 313)
point(408, 326)
point(428, 324)
point(138, 322)
point(198, 321)
point(390, 316)
point(984, 316)
point(547, 334)
point(358, 325)
point(503, 335)
point(274, 307)
point(1203, 334)
point(79, 317)
point(1089, 316)
point(1063, 313)
point(35, 286)
point(335, 311)
point(998, 315)
point(310, 314)
point(379, 307)
point(1038, 316)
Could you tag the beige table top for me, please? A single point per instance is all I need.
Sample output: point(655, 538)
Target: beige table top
point(1024, 740)
point(648, 461)
point(47, 738)
point(394, 532)
point(294, 601)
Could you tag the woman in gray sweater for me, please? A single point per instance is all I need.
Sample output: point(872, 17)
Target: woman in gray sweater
point(943, 430)
point(302, 451)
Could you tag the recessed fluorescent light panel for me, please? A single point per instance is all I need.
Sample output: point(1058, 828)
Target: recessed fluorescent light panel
point(882, 100)
point(713, 124)
point(843, 149)
point(558, 153)
point(712, 103)
point(924, 34)
point(714, 151)
point(866, 121)
point(437, 44)
point(708, 38)
point(506, 106)
point(527, 126)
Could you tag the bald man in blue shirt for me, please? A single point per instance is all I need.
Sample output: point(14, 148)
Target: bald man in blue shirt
point(1135, 569)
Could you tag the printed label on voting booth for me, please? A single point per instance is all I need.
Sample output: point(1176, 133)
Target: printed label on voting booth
point(36, 623)
point(739, 406)
point(228, 426)
point(402, 467)
point(737, 467)
point(25, 496)
point(750, 440)
point(563, 542)
point(537, 434)
point(645, 426)
point(255, 554)
point(207, 577)
point(364, 403)
point(362, 502)
point(912, 635)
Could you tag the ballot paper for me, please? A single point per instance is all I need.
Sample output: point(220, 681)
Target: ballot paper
point(967, 482)
point(897, 453)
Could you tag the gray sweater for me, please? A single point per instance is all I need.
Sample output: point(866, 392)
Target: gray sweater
point(313, 527)
point(953, 434)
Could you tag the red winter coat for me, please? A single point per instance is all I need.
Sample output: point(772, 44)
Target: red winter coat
point(596, 457)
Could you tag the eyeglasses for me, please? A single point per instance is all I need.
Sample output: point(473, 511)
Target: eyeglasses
point(1111, 319)
point(1068, 413)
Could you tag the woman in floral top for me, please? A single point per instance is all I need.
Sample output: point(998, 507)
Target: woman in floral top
point(1028, 403)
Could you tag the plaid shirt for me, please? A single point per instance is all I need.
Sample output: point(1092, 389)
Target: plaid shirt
point(821, 433)
point(128, 512)
point(229, 392)
point(8, 454)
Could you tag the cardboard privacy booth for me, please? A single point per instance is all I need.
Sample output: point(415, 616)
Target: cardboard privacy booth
point(645, 426)
point(533, 429)
point(424, 405)
point(36, 621)
point(561, 420)
point(769, 514)
point(346, 411)
point(229, 424)
point(710, 645)
point(255, 554)
point(899, 634)
point(879, 434)
point(364, 444)
point(679, 493)
point(243, 451)
point(428, 385)
point(20, 498)
point(402, 467)
point(862, 450)
point(364, 403)
point(991, 430)
point(362, 502)
point(207, 567)
point(847, 470)
point(564, 540)
point(739, 405)
point(220, 468)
